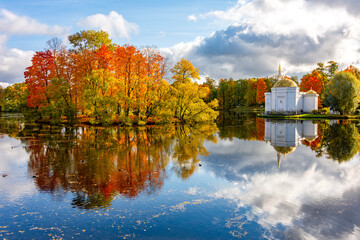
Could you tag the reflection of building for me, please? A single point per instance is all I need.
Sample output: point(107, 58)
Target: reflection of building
point(285, 136)
point(285, 97)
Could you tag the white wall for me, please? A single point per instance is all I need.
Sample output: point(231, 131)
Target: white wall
point(310, 102)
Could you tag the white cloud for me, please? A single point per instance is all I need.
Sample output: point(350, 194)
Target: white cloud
point(12, 24)
point(192, 18)
point(12, 63)
point(262, 33)
point(114, 24)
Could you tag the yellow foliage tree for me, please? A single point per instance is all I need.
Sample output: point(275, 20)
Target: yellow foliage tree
point(188, 96)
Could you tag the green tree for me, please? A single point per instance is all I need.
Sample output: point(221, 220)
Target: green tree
point(90, 39)
point(14, 97)
point(61, 102)
point(332, 67)
point(242, 88)
point(270, 82)
point(251, 93)
point(99, 105)
point(341, 94)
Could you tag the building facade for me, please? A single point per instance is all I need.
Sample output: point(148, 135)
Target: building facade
point(285, 98)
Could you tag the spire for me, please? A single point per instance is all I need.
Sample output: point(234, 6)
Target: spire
point(279, 75)
point(278, 159)
point(279, 69)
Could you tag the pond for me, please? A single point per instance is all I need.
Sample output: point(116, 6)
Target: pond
point(242, 178)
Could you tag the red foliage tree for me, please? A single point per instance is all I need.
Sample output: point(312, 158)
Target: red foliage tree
point(312, 81)
point(38, 78)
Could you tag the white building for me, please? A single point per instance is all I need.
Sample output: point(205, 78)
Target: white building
point(285, 98)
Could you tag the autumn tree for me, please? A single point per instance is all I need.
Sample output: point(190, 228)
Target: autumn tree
point(156, 89)
point(211, 84)
point(251, 93)
point(129, 68)
point(100, 106)
point(184, 71)
point(312, 81)
point(14, 97)
point(38, 78)
point(353, 70)
point(260, 91)
point(270, 82)
point(342, 93)
point(89, 39)
point(188, 96)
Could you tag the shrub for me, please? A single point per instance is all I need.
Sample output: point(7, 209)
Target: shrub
point(325, 110)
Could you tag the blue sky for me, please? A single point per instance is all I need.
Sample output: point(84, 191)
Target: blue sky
point(238, 38)
point(160, 23)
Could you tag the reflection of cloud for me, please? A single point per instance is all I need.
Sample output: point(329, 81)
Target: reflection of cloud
point(13, 162)
point(306, 195)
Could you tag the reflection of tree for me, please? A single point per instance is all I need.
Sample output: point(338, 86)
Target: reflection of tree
point(341, 141)
point(239, 125)
point(189, 144)
point(96, 164)
point(317, 143)
point(99, 163)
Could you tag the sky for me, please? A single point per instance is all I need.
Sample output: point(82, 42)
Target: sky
point(238, 39)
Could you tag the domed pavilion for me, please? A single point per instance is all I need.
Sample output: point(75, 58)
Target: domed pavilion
point(285, 98)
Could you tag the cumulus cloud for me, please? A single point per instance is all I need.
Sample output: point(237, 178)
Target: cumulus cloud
point(114, 23)
point(12, 63)
point(12, 24)
point(263, 33)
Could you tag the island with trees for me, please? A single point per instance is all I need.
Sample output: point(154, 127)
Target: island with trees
point(96, 81)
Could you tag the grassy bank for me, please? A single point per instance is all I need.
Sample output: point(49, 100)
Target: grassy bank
point(249, 109)
point(311, 116)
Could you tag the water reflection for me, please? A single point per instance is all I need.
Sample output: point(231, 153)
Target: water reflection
point(233, 185)
point(98, 164)
point(285, 136)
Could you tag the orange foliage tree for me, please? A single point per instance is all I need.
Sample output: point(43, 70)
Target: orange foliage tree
point(353, 70)
point(260, 91)
point(312, 81)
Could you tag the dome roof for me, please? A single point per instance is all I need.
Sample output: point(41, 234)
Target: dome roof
point(310, 139)
point(285, 83)
point(284, 150)
point(311, 92)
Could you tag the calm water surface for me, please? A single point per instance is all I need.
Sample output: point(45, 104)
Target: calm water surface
point(243, 178)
